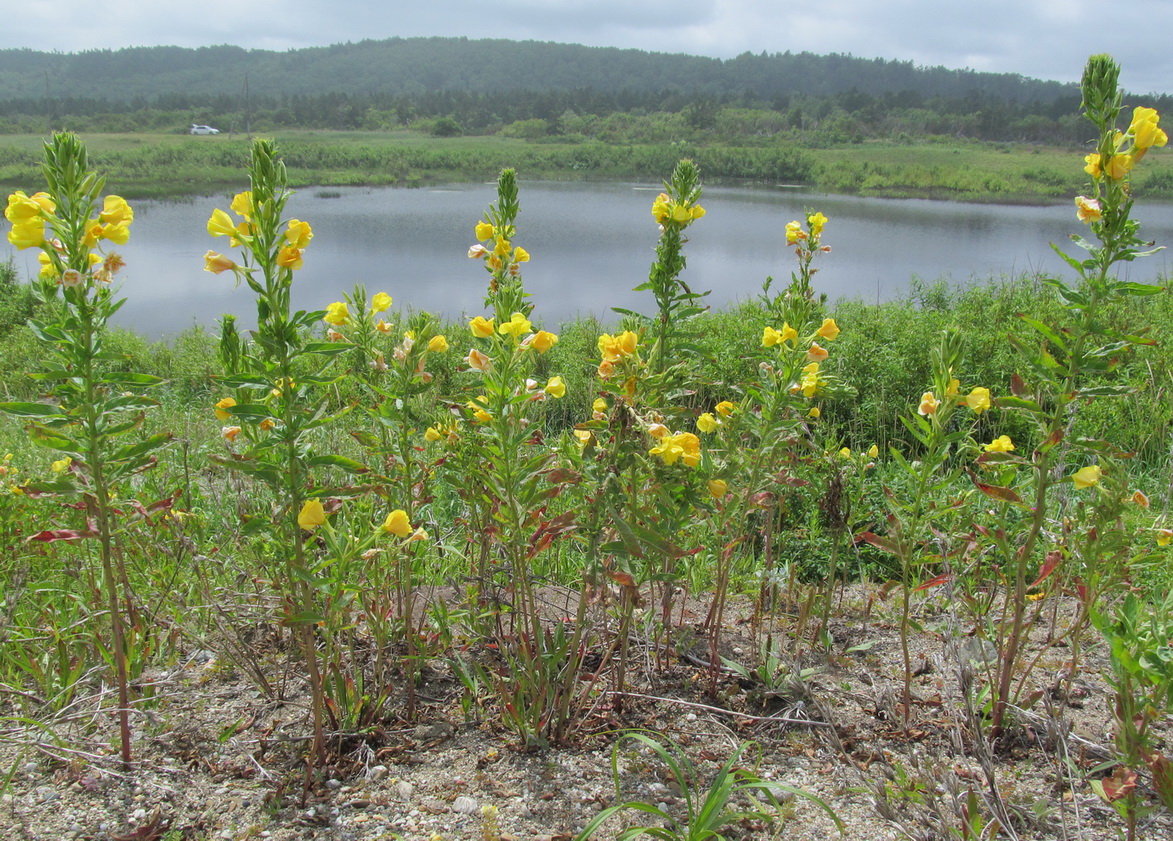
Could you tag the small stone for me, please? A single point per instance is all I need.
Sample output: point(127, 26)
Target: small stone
point(333, 785)
point(465, 805)
point(378, 773)
point(690, 717)
point(404, 790)
point(31, 768)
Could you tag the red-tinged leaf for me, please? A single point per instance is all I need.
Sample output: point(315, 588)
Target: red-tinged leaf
point(995, 491)
point(1049, 564)
point(984, 531)
point(623, 579)
point(1081, 591)
point(885, 543)
point(1017, 385)
point(934, 582)
point(765, 499)
point(1162, 770)
point(52, 535)
point(1120, 784)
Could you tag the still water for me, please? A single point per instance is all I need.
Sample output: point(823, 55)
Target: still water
point(590, 244)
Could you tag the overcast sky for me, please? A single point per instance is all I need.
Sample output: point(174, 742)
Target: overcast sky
point(1046, 39)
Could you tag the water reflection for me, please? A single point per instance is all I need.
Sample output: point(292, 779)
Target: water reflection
point(590, 244)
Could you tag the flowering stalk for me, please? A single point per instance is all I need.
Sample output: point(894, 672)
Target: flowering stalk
point(281, 370)
point(1056, 365)
point(91, 409)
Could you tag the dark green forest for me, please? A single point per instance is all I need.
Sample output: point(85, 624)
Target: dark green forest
point(525, 89)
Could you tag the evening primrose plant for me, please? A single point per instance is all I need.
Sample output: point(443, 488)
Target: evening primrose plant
point(1058, 361)
point(92, 420)
point(282, 373)
point(506, 484)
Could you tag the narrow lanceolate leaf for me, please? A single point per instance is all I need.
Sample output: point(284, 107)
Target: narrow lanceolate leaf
point(1049, 564)
point(141, 448)
point(880, 542)
point(128, 378)
point(32, 410)
point(1130, 288)
point(51, 535)
point(347, 464)
point(995, 491)
point(934, 582)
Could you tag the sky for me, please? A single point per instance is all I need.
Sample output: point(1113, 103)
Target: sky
point(1045, 39)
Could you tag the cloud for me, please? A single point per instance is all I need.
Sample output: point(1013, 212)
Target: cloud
point(1048, 39)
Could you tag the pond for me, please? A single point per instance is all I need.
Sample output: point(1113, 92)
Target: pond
point(591, 243)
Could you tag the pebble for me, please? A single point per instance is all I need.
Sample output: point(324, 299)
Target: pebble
point(333, 785)
point(404, 790)
point(690, 717)
point(465, 805)
point(378, 773)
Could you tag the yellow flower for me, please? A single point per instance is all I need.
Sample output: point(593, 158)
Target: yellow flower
point(338, 314)
point(230, 432)
point(312, 515)
point(298, 234)
point(1145, 130)
point(1118, 166)
point(1001, 444)
point(380, 303)
point(811, 381)
point(520, 255)
point(481, 327)
point(829, 330)
point(23, 209)
point(928, 404)
point(873, 451)
point(771, 337)
point(794, 233)
point(1141, 499)
point(517, 326)
point(383, 327)
point(62, 465)
point(223, 406)
point(1085, 477)
point(438, 344)
point(691, 445)
point(502, 247)
point(613, 347)
point(218, 263)
point(1087, 210)
point(476, 406)
point(115, 211)
point(433, 434)
point(281, 386)
point(814, 413)
point(27, 234)
point(556, 388)
point(717, 488)
point(707, 423)
point(815, 222)
point(1164, 537)
point(543, 341)
point(817, 353)
point(397, 524)
point(725, 408)
point(657, 430)
point(290, 258)
point(478, 361)
point(978, 400)
point(242, 204)
point(221, 225)
point(845, 452)
point(1092, 167)
point(661, 208)
point(599, 406)
point(485, 231)
point(268, 424)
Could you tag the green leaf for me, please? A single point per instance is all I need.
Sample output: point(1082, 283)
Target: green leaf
point(128, 378)
point(347, 464)
point(32, 410)
point(133, 451)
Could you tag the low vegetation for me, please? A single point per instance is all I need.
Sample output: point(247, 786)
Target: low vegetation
point(304, 482)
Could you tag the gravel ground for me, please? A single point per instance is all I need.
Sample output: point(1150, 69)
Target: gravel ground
point(216, 759)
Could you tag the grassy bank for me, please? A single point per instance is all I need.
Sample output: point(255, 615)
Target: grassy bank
point(160, 165)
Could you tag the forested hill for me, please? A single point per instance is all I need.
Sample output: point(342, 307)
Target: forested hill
point(416, 66)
